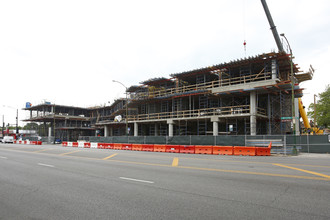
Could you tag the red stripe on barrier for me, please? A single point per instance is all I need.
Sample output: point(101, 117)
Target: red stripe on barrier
point(87, 145)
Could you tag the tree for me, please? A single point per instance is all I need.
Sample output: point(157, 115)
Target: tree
point(322, 109)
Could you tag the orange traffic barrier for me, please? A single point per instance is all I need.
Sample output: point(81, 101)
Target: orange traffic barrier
point(74, 144)
point(137, 147)
point(244, 151)
point(203, 149)
point(117, 146)
point(159, 148)
point(126, 146)
point(172, 148)
point(187, 149)
point(87, 145)
point(223, 150)
point(108, 146)
point(147, 147)
point(64, 143)
point(264, 151)
point(100, 145)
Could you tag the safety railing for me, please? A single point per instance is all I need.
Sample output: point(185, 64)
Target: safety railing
point(227, 111)
point(161, 92)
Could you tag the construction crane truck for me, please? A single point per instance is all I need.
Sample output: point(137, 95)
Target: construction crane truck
point(308, 128)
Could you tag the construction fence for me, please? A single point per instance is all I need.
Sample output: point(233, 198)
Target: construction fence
point(281, 144)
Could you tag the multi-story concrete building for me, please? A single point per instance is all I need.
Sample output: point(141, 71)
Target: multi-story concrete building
point(255, 95)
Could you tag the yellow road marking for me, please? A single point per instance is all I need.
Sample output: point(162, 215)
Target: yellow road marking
point(38, 151)
point(112, 155)
point(305, 171)
point(71, 152)
point(175, 162)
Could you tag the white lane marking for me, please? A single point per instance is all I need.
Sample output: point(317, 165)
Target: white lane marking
point(136, 180)
point(46, 165)
point(3, 157)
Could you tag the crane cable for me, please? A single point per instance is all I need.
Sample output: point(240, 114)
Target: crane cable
point(244, 26)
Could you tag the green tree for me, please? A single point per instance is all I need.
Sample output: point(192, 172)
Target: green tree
point(31, 126)
point(322, 109)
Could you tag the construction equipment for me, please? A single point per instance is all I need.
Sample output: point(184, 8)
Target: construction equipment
point(308, 128)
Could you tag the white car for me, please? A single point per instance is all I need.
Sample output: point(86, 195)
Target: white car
point(8, 139)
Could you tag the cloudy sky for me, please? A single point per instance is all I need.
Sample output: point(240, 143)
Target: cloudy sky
point(68, 52)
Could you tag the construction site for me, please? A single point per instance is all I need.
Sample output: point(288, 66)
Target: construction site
point(250, 96)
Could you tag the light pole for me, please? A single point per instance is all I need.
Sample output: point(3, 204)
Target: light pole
point(292, 87)
point(126, 105)
point(16, 118)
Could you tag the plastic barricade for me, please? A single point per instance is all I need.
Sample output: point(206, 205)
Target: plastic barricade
point(187, 149)
point(173, 148)
point(15, 142)
point(81, 144)
point(108, 146)
point(126, 146)
point(74, 144)
point(24, 142)
point(244, 151)
point(39, 142)
point(147, 147)
point(87, 145)
point(137, 147)
point(94, 145)
point(262, 151)
point(223, 150)
point(100, 145)
point(203, 149)
point(159, 148)
point(69, 144)
point(33, 143)
point(117, 146)
point(19, 142)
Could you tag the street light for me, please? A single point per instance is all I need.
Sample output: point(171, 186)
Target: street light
point(292, 87)
point(16, 118)
point(126, 105)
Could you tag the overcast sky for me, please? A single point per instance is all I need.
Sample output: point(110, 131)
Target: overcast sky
point(68, 52)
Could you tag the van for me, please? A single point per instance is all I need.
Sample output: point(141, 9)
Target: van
point(8, 139)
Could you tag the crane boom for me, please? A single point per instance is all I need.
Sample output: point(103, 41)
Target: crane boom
point(272, 26)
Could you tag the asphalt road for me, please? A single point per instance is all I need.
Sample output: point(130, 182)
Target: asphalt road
point(55, 182)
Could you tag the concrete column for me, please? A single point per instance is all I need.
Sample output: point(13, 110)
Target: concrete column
point(50, 131)
point(170, 129)
point(253, 113)
point(136, 129)
point(296, 116)
point(274, 67)
point(31, 114)
point(156, 130)
point(106, 131)
point(215, 121)
point(170, 123)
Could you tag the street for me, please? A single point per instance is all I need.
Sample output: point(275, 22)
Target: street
point(55, 182)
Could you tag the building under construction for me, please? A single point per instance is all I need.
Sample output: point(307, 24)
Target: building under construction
point(250, 96)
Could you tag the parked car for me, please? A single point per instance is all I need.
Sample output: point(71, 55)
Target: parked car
point(8, 139)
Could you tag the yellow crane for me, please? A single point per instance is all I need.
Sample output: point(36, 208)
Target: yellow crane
point(308, 128)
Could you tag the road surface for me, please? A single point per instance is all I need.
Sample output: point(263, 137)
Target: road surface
point(55, 182)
